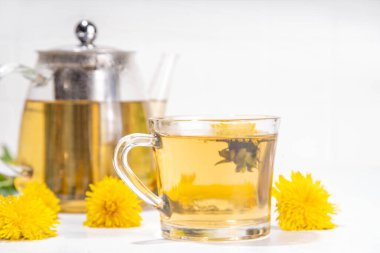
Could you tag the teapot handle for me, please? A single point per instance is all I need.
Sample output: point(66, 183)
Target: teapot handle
point(37, 79)
point(27, 72)
point(11, 170)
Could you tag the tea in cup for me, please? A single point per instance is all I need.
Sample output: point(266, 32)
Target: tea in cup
point(214, 175)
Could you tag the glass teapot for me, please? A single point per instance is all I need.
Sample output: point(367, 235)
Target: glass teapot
point(81, 101)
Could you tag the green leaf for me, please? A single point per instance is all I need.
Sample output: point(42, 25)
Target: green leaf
point(7, 187)
point(6, 156)
point(7, 183)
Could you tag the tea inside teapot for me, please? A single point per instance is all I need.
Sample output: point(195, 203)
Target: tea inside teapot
point(81, 101)
point(70, 144)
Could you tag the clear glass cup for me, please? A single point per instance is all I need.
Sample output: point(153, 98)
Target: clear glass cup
point(214, 175)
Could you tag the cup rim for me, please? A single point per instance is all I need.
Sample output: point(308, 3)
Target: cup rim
point(216, 118)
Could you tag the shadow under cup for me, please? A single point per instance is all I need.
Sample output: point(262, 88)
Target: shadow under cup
point(214, 175)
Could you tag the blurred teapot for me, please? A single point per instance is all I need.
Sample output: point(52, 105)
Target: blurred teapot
point(81, 100)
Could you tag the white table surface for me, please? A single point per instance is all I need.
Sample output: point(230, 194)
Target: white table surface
point(358, 228)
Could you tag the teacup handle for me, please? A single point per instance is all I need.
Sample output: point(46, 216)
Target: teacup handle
point(120, 162)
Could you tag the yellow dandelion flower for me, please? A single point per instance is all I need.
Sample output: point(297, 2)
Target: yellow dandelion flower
point(24, 218)
point(110, 203)
point(3, 201)
point(41, 191)
point(303, 204)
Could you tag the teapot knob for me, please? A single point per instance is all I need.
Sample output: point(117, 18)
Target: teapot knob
point(86, 32)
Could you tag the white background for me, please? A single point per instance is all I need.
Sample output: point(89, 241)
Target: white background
point(314, 63)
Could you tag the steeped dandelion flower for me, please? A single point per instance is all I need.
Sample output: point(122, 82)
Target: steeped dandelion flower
point(303, 204)
point(24, 218)
point(41, 191)
point(235, 130)
point(110, 203)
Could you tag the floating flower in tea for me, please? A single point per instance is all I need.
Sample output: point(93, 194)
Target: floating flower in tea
point(242, 153)
point(232, 129)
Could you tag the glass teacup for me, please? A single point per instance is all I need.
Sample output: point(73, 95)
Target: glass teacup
point(214, 175)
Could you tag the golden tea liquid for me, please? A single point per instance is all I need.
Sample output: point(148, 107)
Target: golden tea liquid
point(215, 182)
point(69, 144)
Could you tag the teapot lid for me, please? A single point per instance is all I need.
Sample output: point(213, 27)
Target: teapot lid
point(86, 54)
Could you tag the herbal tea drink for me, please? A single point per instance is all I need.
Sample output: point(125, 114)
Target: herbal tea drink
point(214, 175)
point(215, 182)
point(69, 145)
